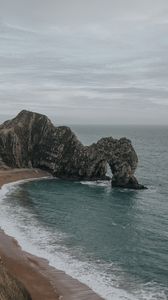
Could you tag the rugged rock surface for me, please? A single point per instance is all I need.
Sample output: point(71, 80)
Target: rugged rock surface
point(31, 140)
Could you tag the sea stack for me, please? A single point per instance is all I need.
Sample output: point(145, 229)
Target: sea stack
point(30, 140)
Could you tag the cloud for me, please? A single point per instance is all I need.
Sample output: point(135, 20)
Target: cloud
point(79, 11)
point(85, 61)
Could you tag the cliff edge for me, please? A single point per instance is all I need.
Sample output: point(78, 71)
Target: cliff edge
point(10, 287)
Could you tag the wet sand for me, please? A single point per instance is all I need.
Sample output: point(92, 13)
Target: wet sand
point(42, 281)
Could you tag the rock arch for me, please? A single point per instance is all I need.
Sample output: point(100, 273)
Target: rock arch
point(31, 140)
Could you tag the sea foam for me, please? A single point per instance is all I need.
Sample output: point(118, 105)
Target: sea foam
point(22, 224)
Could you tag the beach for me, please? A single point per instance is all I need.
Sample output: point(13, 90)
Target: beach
point(41, 280)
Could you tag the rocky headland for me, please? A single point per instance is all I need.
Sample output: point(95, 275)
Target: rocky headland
point(30, 140)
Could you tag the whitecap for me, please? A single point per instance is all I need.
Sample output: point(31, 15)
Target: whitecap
point(103, 183)
point(38, 240)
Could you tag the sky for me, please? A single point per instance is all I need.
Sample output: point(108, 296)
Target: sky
point(78, 11)
point(85, 62)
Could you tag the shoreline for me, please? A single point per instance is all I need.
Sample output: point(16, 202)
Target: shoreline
point(41, 280)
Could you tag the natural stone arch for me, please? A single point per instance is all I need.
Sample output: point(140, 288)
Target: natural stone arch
point(31, 140)
point(121, 157)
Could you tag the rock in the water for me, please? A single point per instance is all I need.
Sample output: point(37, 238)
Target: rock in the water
point(31, 140)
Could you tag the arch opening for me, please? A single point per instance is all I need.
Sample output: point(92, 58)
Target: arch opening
point(109, 171)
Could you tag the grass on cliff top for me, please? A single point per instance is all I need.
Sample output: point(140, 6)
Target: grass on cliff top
point(10, 287)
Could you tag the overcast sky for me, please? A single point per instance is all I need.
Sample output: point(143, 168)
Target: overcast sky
point(96, 61)
point(81, 11)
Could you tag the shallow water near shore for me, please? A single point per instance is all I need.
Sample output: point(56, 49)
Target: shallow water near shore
point(113, 240)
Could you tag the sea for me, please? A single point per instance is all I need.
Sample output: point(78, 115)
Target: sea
point(114, 240)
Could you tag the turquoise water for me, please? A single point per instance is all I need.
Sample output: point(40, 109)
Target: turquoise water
point(114, 240)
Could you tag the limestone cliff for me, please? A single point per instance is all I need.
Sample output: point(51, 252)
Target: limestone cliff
point(31, 140)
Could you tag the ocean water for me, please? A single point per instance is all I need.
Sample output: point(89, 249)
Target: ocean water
point(114, 240)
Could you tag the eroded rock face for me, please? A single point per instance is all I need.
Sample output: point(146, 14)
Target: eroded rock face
point(31, 140)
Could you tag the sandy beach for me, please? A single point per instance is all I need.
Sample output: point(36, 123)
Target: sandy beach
point(41, 280)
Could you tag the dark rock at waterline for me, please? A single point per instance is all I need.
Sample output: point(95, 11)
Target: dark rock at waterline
point(31, 140)
point(131, 184)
